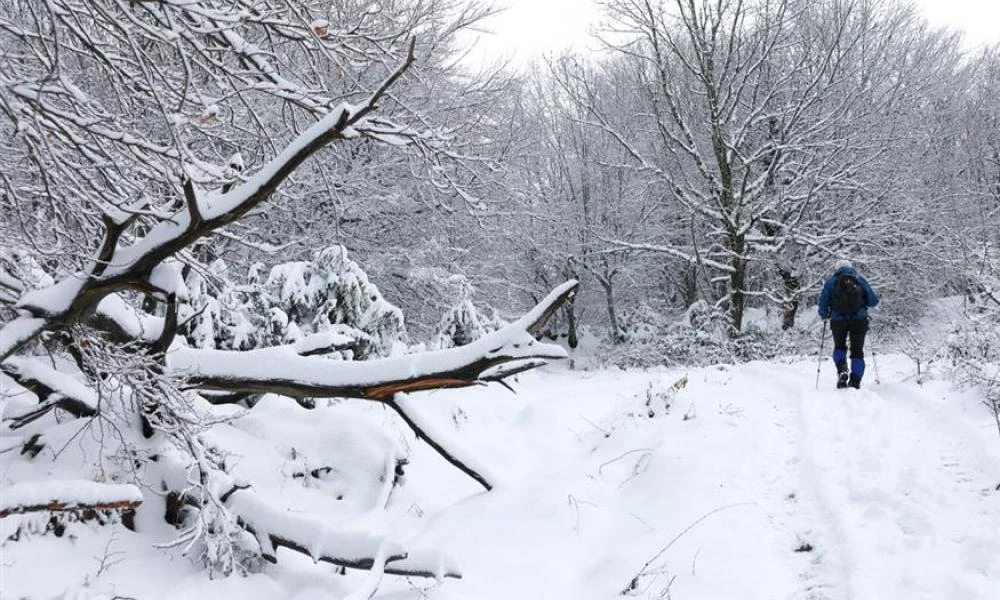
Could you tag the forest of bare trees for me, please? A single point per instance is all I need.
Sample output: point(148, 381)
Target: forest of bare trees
point(206, 202)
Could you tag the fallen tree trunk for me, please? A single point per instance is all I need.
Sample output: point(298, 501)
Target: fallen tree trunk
point(60, 496)
point(284, 371)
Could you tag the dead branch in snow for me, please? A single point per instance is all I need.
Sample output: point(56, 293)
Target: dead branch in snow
point(52, 388)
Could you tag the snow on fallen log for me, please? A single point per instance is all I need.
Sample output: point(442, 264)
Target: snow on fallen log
point(281, 370)
point(68, 495)
point(425, 563)
point(278, 527)
point(339, 337)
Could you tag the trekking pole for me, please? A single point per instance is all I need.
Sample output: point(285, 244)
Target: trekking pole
point(875, 365)
point(819, 363)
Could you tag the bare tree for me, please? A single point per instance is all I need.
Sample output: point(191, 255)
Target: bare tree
point(762, 117)
point(571, 192)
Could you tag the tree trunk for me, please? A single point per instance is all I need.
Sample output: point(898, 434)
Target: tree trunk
point(609, 297)
point(279, 370)
point(790, 307)
point(737, 285)
point(573, 339)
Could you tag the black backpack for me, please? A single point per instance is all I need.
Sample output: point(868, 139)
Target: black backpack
point(848, 296)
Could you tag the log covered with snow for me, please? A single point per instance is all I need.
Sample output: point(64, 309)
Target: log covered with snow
point(276, 527)
point(72, 495)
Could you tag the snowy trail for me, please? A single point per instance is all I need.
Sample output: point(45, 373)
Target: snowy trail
point(906, 501)
point(805, 510)
point(882, 493)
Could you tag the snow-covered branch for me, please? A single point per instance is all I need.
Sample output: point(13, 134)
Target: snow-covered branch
point(54, 389)
point(672, 251)
point(282, 370)
point(276, 527)
point(15, 334)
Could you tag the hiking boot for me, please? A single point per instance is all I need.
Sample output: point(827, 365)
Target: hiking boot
point(842, 380)
point(854, 382)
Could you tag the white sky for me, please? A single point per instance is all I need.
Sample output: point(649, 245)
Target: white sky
point(533, 27)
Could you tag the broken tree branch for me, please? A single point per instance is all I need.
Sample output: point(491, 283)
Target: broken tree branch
point(320, 541)
point(281, 371)
point(450, 457)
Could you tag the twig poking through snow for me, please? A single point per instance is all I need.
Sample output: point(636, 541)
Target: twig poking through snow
point(617, 458)
point(634, 584)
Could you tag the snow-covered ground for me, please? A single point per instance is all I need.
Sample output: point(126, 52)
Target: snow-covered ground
point(746, 482)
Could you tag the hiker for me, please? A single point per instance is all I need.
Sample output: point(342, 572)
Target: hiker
point(845, 300)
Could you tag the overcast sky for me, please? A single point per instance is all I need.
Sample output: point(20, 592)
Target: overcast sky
point(532, 27)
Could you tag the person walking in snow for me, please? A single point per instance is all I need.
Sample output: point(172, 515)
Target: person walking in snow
point(845, 300)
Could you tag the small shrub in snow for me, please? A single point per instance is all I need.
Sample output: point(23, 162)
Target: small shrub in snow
point(701, 335)
point(294, 300)
point(974, 349)
point(463, 323)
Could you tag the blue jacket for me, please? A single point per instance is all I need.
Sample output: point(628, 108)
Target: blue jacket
point(824, 297)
